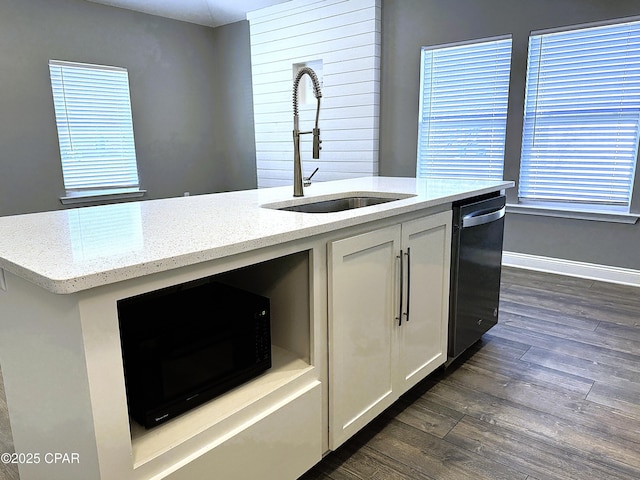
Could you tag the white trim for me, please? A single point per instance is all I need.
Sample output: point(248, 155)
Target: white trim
point(64, 63)
point(567, 211)
point(582, 26)
point(471, 41)
point(101, 195)
point(591, 271)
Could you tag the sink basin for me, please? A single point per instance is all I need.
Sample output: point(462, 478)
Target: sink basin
point(338, 205)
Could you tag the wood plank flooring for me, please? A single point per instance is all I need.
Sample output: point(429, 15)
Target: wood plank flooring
point(551, 392)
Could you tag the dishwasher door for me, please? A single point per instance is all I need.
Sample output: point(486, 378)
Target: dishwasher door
point(476, 265)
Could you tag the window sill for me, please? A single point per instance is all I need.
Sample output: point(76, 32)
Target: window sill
point(101, 195)
point(563, 211)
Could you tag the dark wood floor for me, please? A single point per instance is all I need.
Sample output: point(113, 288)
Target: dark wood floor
point(551, 392)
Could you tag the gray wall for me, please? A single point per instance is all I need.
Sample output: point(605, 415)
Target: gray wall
point(193, 113)
point(409, 24)
point(190, 94)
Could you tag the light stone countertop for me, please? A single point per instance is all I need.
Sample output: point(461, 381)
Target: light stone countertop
point(67, 251)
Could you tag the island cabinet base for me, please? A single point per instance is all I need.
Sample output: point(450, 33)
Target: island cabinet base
point(281, 444)
point(63, 370)
point(358, 314)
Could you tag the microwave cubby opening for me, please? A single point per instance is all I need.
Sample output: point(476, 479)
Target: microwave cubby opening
point(286, 281)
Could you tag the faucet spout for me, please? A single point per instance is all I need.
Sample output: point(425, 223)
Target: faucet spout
point(297, 163)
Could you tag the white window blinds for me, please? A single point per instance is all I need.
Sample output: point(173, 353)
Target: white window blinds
point(463, 109)
point(582, 111)
point(95, 129)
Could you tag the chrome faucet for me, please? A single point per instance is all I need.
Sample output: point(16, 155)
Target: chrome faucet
point(297, 164)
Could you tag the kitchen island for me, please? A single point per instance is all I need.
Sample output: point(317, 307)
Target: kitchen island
point(63, 273)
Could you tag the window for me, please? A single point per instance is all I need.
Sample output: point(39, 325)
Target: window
point(581, 119)
point(95, 129)
point(463, 109)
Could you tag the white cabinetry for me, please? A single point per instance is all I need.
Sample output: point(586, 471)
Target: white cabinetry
point(388, 313)
point(64, 356)
point(422, 337)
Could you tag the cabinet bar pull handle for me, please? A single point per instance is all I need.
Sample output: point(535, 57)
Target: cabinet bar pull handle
point(399, 317)
point(408, 254)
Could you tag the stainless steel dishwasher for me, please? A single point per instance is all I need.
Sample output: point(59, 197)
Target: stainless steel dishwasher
point(476, 265)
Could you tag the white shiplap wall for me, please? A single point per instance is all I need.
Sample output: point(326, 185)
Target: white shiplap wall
point(345, 36)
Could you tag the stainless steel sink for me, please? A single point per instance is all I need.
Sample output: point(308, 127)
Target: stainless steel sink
point(338, 205)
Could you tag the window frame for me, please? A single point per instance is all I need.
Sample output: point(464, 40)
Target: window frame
point(498, 114)
point(588, 211)
point(71, 123)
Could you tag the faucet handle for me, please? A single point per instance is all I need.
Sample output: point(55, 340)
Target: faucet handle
point(307, 180)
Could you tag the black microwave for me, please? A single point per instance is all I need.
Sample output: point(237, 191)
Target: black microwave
point(185, 344)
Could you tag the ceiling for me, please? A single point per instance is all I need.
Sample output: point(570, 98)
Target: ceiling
point(212, 13)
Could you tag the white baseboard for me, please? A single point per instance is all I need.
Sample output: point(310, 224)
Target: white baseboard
point(591, 271)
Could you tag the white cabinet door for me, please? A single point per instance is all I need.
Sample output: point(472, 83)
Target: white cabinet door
point(422, 336)
point(388, 317)
point(363, 304)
